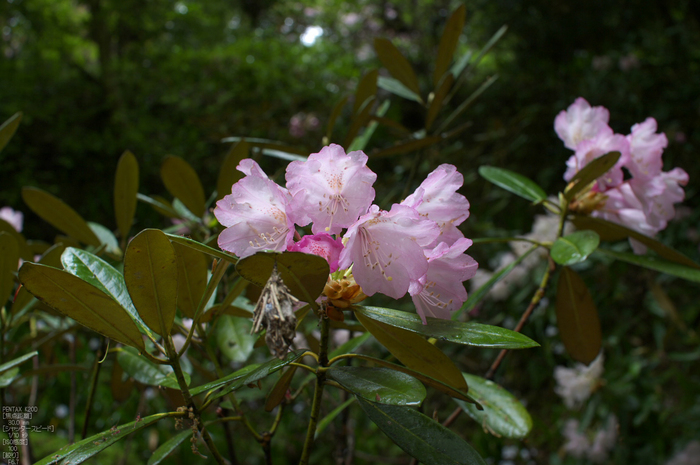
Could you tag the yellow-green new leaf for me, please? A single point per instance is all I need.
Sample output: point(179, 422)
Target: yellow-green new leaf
point(182, 182)
point(448, 43)
point(150, 272)
point(81, 301)
point(126, 188)
point(228, 174)
point(396, 63)
point(58, 214)
point(415, 352)
point(9, 259)
point(191, 278)
point(577, 317)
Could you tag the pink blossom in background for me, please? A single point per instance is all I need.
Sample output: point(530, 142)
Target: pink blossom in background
point(322, 245)
point(15, 218)
point(386, 249)
point(581, 122)
point(331, 189)
point(441, 290)
point(437, 199)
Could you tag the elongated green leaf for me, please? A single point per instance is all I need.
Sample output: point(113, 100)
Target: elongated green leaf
point(574, 247)
point(460, 64)
point(577, 317)
point(396, 63)
point(228, 174)
point(89, 447)
point(8, 128)
point(9, 260)
point(168, 447)
point(8, 376)
point(448, 42)
point(182, 182)
point(361, 141)
point(407, 147)
point(279, 390)
point(325, 421)
point(51, 257)
point(24, 250)
point(415, 352)
point(249, 374)
point(233, 337)
point(590, 172)
point(81, 301)
point(513, 182)
point(191, 278)
point(359, 120)
point(472, 334)
point(150, 273)
point(59, 215)
point(420, 436)
point(365, 89)
point(438, 98)
point(107, 239)
point(159, 204)
point(397, 88)
point(655, 263)
point(614, 232)
point(467, 102)
point(379, 384)
point(146, 372)
point(126, 187)
point(17, 361)
point(502, 415)
point(350, 345)
point(191, 243)
point(103, 276)
point(337, 108)
point(304, 274)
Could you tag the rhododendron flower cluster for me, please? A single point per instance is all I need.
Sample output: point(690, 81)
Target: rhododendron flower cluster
point(414, 247)
point(643, 200)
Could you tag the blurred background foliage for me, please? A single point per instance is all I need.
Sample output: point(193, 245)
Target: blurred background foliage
point(158, 77)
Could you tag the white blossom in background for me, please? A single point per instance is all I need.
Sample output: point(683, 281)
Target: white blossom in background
point(690, 455)
point(15, 218)
point(575, 385)
point(579, 445)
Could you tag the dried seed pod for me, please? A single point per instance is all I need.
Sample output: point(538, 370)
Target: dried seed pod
point(274, 313)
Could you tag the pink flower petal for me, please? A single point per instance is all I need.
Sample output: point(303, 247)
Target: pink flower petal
point(322, 245)
point(581, 122)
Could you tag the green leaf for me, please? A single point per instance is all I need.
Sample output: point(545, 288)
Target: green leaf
point(58, 214)
point(191, 243)
point(448, 43)
point(8, 128)
point(249, 374)
point(420, 436)
point(396, 63)
point(304, 274)
point(614, 232)
point(325, 421)
point(233, 337)
point(103, 276)
point(513, 182)
point(279, 390)
point(126, 188)
point(359, 120)
point(228, 174)
point(337, 108)
point(191, 278)
point(655, 263)
point(89, 447)
point(361, 141)
point(467, 102)
point(159, 204)
point(107, 238)
point(461, 63)
point(9, 260)
point(144, 371)
point(17, 361)
point(168, 447)
point(8, 376)
point(591, 172)
point(438, 98)
point(574, 247)
point(51, 257)
point(502, 414)
point(24, 250)
point(397, 88)
point(471, 334)
point(81, 301)
point(150, 272)
point(379, 384)
point(406, 147)
point(415, 352)
point(350, 346)
point(577, 317)
point(182, 182)
point(268, 144)
point(365, 89)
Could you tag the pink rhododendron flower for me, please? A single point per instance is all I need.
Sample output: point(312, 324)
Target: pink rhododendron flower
point(581, 122)
point(15, 218)
point(331, 189)
point(441, 290)
point(646, 148)
point(386, 249)
point(322, 245)
point(437, 199)
point(590, 149)
point(255, 214)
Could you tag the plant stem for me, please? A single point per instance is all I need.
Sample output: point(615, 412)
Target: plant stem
point(318, 392)
point(93, 383)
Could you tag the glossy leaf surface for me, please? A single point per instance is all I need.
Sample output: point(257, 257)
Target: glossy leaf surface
point(577, 317)
point(379, 384)
point(513, 182)
point(575, 247)
point(472, 334)
point(144, 371)
point(182, 182)
point(126, 188)
point(502, 414)
point(420, 436)
point(81, 301)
